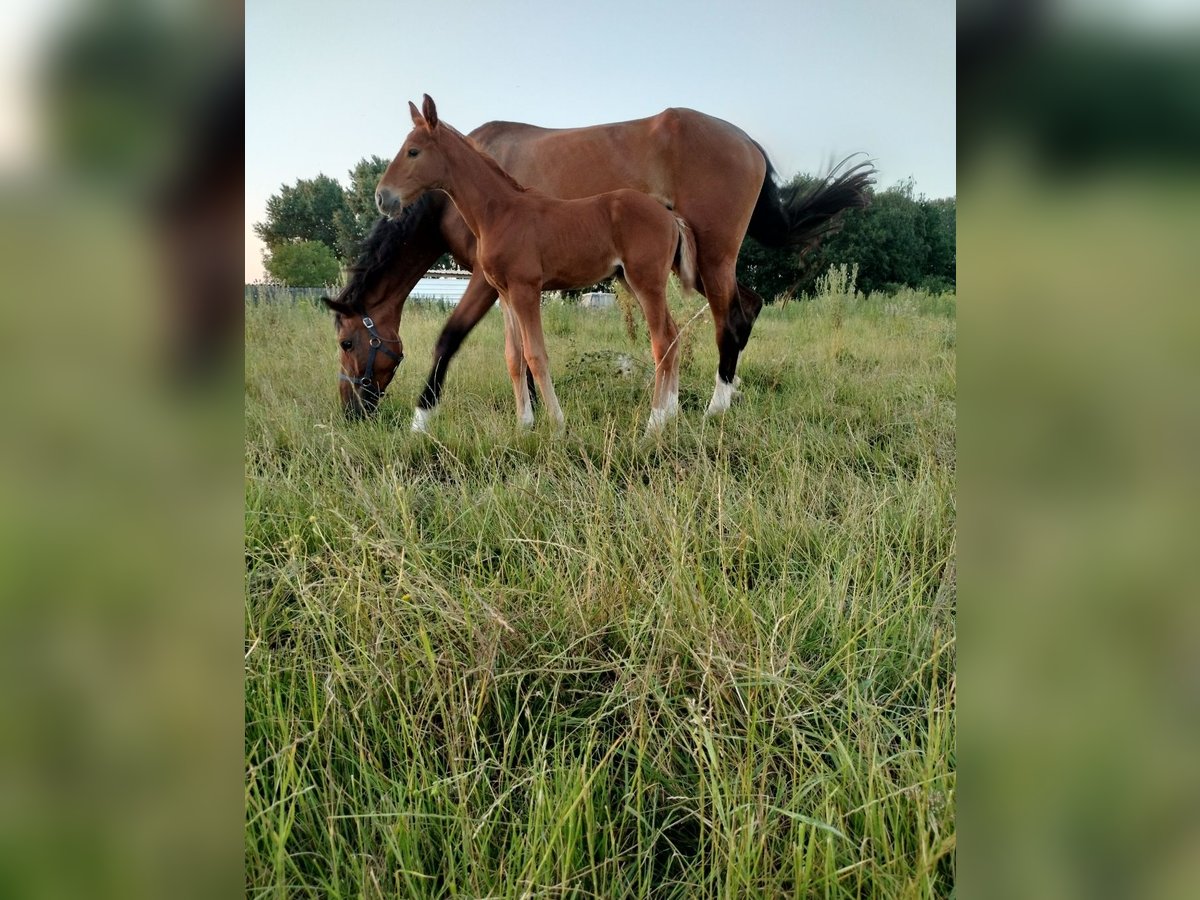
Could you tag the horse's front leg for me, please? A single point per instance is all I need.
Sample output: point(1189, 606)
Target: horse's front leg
point(514, 355)
point(474, 305)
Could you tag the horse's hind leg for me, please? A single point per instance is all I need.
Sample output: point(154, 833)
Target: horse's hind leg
point(742, 314)
point(732, 327)
point(749, 304)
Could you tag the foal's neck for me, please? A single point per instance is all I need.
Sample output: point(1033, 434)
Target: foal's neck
point(479, 188)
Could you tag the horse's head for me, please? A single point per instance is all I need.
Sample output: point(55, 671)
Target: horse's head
point(391, 260)
point(418, 167)
point(370, 349)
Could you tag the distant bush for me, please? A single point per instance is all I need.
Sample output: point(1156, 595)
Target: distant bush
point(302, 264)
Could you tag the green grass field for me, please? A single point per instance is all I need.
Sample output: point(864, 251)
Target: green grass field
point(506, 663)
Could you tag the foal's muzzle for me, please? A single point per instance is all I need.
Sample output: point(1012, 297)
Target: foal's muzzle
point(388, 201)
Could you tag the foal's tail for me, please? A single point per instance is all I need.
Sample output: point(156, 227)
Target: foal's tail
point(798, 216)
point(685, 257)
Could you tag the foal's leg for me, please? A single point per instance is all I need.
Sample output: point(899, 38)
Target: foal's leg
point(514, 355)
point(664, 344)
point(527, 309)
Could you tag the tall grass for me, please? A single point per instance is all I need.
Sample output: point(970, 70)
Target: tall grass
point(498, 663)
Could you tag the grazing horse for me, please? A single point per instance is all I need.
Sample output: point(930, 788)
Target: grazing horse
point(528, 242)
point(706, 170)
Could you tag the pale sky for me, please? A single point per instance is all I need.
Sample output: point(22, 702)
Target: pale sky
point(328, 84)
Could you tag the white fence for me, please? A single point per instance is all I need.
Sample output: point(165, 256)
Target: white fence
point(446, 290)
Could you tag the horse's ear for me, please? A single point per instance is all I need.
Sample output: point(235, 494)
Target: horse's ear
point(337, 306)
point(430, 111)
point(418, 120)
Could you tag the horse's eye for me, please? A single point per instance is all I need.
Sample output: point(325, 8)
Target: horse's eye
point(414, 152)
point(346, 345)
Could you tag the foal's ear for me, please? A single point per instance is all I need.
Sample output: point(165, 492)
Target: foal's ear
point(418, 120)
point(430, 111)
point(338, 307)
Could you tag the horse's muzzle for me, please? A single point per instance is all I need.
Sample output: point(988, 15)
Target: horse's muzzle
point(359, 402)
point(359, 410)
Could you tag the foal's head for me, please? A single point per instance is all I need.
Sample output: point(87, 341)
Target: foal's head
point(418, 167)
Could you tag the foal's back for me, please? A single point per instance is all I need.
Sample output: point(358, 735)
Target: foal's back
point(581, 242)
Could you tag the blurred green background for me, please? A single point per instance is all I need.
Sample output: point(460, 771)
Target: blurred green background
point(1079, 138)
point(120, 498)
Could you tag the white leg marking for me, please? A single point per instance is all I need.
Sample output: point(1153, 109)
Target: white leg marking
point(527, 412)
point(721, 398)
point(420, 422)
point(660, 416)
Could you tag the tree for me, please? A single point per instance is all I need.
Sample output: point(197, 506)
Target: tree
point(886, 240)
point(896, 241)
point(306, 211)
point(940, 225)
point(302, 264)
point(354, 221)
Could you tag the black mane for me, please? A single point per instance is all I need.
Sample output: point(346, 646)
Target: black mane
point(378, 250)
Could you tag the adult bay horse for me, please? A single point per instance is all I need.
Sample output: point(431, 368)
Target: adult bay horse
point(706, 170)
point(528, 242)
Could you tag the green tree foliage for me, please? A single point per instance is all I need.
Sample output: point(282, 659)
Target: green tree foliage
point(897, 241)
point(320, 209)
point(354, 221)
point(940, 231)
point(302, 264)
point(305, 211)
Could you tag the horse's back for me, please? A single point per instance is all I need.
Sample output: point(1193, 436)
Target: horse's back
point(673, 122)
point(704, 167)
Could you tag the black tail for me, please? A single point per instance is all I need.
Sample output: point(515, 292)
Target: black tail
point(800, 216)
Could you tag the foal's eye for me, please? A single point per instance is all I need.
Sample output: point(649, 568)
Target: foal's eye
point(414, 152)
point(346, 345)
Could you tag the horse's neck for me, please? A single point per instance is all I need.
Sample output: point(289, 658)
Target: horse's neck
point(481, 194)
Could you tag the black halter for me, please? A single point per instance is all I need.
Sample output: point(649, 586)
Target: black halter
point(367, 381)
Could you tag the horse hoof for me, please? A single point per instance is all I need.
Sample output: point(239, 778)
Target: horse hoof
point(420, 421)
point(660, 417)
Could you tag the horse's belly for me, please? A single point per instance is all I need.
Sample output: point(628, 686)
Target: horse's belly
point(585, 272)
